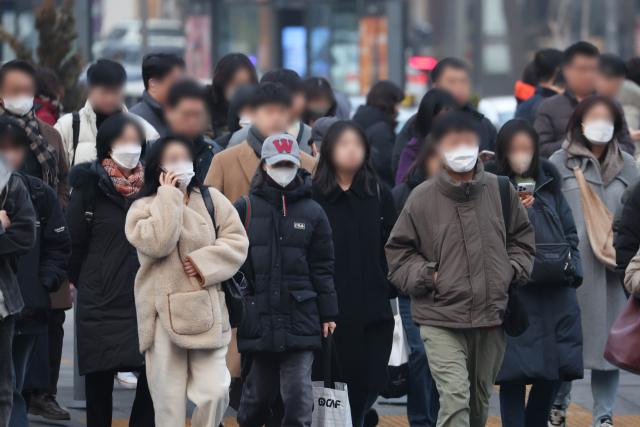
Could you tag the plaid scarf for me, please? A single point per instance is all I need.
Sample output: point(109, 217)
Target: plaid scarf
point(127, 186)
point(44, 152)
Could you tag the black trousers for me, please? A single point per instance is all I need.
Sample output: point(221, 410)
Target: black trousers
point(56, 337)
point(99, 395)
point(269, 373)
point(6, 377)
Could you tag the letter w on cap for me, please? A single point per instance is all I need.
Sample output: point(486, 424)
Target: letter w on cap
point(283, 145)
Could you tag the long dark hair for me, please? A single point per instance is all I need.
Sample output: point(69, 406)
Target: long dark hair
point(152, 169)
point(574, 127)
point(433, 102)
point(111, 130)
point(226, 68)
point(384, 95)
point(326, 176)
point(508, 131)
point(318, 87)
point(427, 150)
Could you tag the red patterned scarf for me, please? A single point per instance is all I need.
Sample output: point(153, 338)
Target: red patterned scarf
point(127, 186)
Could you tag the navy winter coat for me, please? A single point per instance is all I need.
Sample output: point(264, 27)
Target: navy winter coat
point(290, 269)
point(551, 348)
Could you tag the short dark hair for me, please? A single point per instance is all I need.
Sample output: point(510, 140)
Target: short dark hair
point(574, 127)
point(317, 87)
point(48, 83)
point(579, 49)
point(443, 64)
point(507, 132)
point(611, 65)
point(546, 63)
point(633, 70)
point(286, 77)
point(111, 130)
point(433, 102)
point(12, 130)
point(106, 72)
point(158, 65)
point(325, 177)
point(529, 75)
point(270, 93)
point(17, 65)
point(454, 121)
point(384, 95)
point(185, 89)
point(152, 169)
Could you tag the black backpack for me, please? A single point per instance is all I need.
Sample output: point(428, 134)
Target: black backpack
point(36, 193)
point(515, 321)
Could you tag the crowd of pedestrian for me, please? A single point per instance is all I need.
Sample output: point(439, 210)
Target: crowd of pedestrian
point(499, 246)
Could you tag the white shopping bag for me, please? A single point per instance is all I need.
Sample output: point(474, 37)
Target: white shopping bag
point(330, 399)
point(398, 384)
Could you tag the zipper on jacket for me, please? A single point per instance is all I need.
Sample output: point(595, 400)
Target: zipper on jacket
point(467, 184)
point(284, 205)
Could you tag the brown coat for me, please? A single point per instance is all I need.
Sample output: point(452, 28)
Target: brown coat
point(233, 169)
point(457, 229)
point(62, 298)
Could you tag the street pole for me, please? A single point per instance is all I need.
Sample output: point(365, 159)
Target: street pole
point(82, 12)
point(395, 42)
point(144, 17)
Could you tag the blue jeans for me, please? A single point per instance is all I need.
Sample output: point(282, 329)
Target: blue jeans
point(423, 401)
point(22, 351)
point(604, 388)
point(535, 413)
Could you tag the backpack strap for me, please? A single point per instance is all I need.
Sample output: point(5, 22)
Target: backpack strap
point(208, 202)
point(505, 199)
point(76, 134)
point(36, 192)
point(247, 220)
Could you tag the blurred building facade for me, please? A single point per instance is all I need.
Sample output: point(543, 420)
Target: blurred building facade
point(353, 43)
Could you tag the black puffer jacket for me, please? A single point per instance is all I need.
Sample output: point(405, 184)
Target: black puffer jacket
point(290, 265)
point(103, 267)
point(43, 269)
point(382, 137)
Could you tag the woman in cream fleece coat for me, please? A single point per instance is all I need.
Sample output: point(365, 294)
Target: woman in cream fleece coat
point(183, 322)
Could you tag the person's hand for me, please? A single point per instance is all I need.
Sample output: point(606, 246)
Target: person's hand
point(528, 201)
point(486, 155)
point(6, 222)
point(326, 327)
point(190, 269)
point(169, 179)
point(435, 277)
point(635, 134)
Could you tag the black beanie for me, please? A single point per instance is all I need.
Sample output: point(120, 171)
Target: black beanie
point(106, 73)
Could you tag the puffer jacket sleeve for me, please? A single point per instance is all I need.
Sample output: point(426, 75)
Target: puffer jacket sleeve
point(521, 242)
point(20, 236)
point(55, 245)
point(632, 276)
point(320, 259)
point(628, 240)
point(570, 233)
point(409, 270)
point(154, 228)
point(224, 258)
point(549, 143)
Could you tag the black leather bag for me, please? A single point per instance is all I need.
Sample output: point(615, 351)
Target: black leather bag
point(234, 286)
point(515, 321)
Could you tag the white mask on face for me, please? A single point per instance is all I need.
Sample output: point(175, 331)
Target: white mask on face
point(599, 132)
point(462, 159)
point(245, 121)
point(520, 162)
point(184, 172)
point(282, 176)
point(19, 105)
point(127, 156)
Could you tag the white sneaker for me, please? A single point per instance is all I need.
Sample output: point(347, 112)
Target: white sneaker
point(605, 423)
point(558, 417)
point(127, 380)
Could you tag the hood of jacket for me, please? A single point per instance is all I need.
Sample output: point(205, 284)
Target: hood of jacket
point(92, 179)
point(548, 174)
point(366, 116)
point(274, 195)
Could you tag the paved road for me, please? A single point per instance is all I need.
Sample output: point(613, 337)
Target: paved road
point(627, 405)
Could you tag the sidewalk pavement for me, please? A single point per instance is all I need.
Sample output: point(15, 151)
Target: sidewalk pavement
point(627, 411)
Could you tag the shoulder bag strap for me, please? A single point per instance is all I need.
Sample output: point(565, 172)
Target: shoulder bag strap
point(208, 202)
point(247, 220)
point(505, 200)
point(76, 134)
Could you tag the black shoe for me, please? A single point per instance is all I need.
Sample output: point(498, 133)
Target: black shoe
point(46, 406)
point(371, 418)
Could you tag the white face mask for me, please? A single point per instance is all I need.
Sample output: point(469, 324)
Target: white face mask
point(184, 172)
point(462, 159)
point(282, 176)
point(127, 156)
point(19, 106)
point(520, 162)
point(245, 121)
point(598, 132)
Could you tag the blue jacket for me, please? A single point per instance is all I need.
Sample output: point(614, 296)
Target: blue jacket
point(527, 109)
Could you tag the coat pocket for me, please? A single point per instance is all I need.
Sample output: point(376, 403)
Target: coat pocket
point(305, 319)
point(190, 313)
point(251, 327)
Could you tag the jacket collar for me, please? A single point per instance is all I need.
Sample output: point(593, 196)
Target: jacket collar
point(274, 195)
point(248, 160)
point(357, 187)
point(153, 105)
point(106, 185)
point(201, 145)
point(89, 113)
point(545, 91)
point(572, 97)
point(461, 192)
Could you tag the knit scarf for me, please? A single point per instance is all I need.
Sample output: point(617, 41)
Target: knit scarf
point(44, 152)
point(255, 140)
point(610, 167)
point(127, 186)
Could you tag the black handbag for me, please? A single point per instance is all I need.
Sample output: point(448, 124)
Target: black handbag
point(234, 286)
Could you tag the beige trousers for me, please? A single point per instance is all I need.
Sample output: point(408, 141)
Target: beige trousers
point(176, 373)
